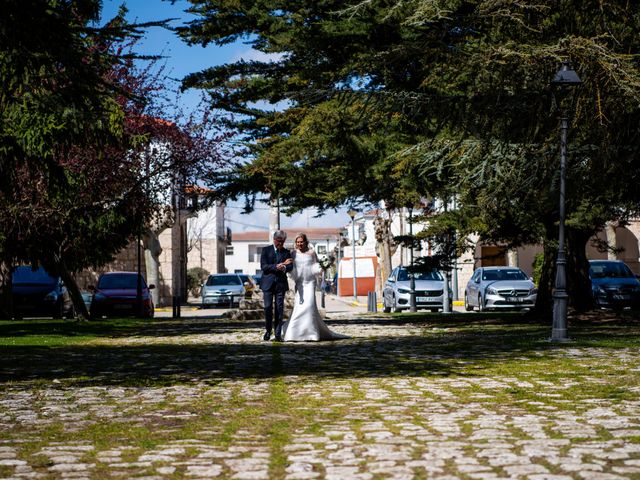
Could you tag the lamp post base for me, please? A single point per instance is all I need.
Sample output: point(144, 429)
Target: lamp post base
point(559, 330)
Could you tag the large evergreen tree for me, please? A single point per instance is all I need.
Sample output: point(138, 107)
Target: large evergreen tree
point(454, 94)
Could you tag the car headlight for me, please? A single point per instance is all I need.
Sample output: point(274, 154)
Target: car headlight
point(99, 297)
point(403, 290)
point(599, 289)
point(51, 296)
point(491, 291)
point(533, 291)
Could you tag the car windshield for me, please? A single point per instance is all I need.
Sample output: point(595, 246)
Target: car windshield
point(403, 275)
point(511, 274)
point(117, 282)
point(610, 270)
point(26, 276)
point(217, 280)
point(245, 278)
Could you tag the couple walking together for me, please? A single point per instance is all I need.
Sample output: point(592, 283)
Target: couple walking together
point(305, 323)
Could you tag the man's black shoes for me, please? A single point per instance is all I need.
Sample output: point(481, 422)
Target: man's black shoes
point(278, 338)
point(267, 336)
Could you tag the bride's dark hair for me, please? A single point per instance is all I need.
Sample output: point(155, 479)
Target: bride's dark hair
point(303, 236)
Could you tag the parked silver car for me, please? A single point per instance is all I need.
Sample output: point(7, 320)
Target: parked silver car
point(223, 289)
point(429, 287)
point(499, 288)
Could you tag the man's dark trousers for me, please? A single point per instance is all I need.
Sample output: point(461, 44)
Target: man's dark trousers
point(271, 298)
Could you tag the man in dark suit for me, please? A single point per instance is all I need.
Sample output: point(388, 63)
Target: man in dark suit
point(275, 262)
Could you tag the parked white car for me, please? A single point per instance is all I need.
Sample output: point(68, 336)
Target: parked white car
point(429, 288)
point(493, 288)
point(222, 289)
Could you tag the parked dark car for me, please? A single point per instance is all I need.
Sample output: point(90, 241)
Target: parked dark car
point(115, 295)
point(614, 285)
point(496, 288)
point(38, 294)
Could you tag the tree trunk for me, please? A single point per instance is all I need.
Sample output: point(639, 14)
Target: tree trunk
point(577, 270)
point(610, 232)
point(70, 282)
point(578, 282)
point(7, 286)
point(544, 301)
point(385, 249)
point(152, 251)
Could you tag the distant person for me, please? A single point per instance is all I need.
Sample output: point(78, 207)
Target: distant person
point(305, 323)
point(275, 262)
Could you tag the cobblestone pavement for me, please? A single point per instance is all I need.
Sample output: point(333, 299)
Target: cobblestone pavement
point(207, 399)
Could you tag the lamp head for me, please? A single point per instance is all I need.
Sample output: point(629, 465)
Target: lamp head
point(566, 76)
point(352, 213)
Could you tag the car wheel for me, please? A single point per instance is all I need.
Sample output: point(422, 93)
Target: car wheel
point(434, 310)
point(59, 311)
point(467, 306)
point(385, 308)
point(480, 304)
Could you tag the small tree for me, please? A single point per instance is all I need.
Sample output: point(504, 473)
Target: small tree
point(196, 276)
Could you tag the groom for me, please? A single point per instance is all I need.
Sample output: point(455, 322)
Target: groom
point(275, 262)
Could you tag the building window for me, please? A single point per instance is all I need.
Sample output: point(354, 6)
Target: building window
point(229, 250)
point(237, 270)
point(321, 249)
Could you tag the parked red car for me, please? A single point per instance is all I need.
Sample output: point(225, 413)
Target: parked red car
point(115, 295)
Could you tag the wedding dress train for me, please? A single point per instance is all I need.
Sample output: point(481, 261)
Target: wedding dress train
point(305, 323)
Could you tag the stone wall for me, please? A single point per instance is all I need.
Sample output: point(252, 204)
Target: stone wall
point(207, 253)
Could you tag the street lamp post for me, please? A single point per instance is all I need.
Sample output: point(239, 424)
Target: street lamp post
point(412, 280)
point(565, 77)
point(352, 213)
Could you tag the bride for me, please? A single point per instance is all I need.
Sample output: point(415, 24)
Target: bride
point(305, 323)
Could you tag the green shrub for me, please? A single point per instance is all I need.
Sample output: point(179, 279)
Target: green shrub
point(538, 260)
point(196, 277)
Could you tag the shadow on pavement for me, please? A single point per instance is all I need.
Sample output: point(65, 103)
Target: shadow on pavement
point(445, 347)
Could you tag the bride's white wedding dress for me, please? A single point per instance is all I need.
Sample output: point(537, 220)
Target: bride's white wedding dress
point(305, 323)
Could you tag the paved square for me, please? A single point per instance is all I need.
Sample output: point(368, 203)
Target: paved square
point(205, 398)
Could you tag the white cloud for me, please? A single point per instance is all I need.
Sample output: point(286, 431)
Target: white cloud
point(256, 55)
point(259, 219)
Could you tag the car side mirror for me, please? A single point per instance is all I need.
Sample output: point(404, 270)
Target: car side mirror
point(151, 287)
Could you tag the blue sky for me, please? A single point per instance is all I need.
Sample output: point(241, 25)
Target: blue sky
point(181, 60)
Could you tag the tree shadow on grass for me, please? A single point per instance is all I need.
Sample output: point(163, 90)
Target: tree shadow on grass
point(446, 347)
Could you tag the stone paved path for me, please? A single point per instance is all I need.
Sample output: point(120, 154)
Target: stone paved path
point(385, 404)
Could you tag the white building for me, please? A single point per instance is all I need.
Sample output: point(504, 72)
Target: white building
point(625, 238)
point(243, 253)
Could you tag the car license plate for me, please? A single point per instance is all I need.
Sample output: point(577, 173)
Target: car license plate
point(514, 299)
point(621, 297)
point(223, 299)
point(422, 299)
point(122, 307)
